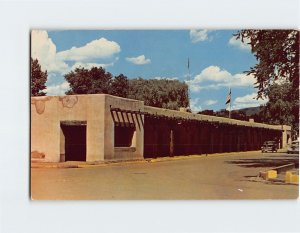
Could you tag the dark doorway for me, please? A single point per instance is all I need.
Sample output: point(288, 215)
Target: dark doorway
point(75, 140)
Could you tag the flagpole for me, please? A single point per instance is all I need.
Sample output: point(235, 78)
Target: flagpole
point(189, 77)
point(228, 101)
point(230, 109)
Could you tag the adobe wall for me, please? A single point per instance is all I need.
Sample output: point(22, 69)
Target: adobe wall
point(286, 137)
point(153, 136)
point(137, 149)
point(48, 112)
point(202, 134)
point(198, 137)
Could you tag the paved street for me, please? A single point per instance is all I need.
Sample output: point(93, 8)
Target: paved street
point(211, 177)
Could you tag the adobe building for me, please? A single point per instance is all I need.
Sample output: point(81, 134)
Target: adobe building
point(102, 127)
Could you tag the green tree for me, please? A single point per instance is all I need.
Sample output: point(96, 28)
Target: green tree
point(207, 112)
point(277, 53)
point(170, 94)
point(280, 109)
point(85, 81)
point(239, 115)
point(96, 81)
point(120, 86)
point(276, 72)
point(222, 113)
point(38, 78)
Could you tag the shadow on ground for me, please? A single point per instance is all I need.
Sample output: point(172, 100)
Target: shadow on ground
point(270, 161)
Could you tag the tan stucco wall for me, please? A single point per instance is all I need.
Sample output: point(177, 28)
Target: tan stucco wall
point(286, 134)
point(125, 104)
point(48, 112)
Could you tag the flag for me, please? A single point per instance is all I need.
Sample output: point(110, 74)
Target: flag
point(188, 63)
point(228, 98)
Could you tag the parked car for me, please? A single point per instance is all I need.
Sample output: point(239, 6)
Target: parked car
point(269, 146)
point(293, 148)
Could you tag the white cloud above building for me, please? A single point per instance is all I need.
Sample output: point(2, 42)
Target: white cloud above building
point(195, 105)
point(139, 60)
point(57, 89)
point(210, 102)
point(45, 51)
point(100, 48)
point(248, 101)
point(213, 77)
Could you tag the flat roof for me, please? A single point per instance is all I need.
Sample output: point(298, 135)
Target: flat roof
point(201, 117)
point(183, 115)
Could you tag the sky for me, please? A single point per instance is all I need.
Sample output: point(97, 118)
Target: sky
point(217, 60)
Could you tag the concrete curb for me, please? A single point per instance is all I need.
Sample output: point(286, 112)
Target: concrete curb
point(271, 174)
point(200, 156)
point(291, 178)
point(118, 162)
point(83, 164)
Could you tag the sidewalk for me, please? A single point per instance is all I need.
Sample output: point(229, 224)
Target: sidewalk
point(83, 164)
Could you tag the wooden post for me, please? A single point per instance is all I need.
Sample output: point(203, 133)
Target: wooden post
point(171, 143)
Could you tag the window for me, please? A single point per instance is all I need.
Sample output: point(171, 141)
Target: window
point(125, 135)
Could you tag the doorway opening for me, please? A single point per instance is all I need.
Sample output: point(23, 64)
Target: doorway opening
point(73, 140)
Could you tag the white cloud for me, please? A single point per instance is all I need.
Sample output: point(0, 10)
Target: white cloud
point(58, 89)
point(214, 74)
point(213, 77)
point(195, 105)
point(210, 102)
point(140, 60)
point(194, 87)
point(248, 101)
point(166, 78)
point(43, 49)
point(199, 35)
point(101, 48)
point(239, 44)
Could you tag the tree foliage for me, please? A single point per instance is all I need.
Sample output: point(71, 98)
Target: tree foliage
point(85, 81)
point(241, 114)
point(170, 94)
point(277, 53)
point(120, 86)
point(207, 112)
point(280, 109)
point(96, 81)
point(38, 78)
point(276, 72)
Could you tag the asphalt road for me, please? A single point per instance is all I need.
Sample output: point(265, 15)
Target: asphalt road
point(211, 177)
